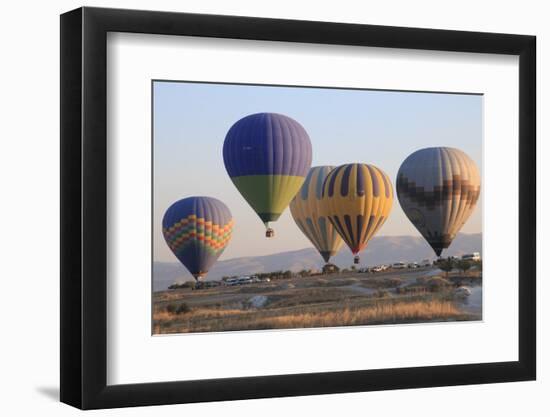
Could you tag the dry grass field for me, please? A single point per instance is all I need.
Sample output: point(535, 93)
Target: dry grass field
point(319, 301)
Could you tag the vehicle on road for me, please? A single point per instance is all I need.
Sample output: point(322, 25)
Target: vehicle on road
point(399, 265)
point(442, 259)
point(244, 280)
point(474, 256)
point(203, 285)
point(425, 263)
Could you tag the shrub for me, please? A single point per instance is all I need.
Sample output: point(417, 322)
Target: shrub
point(170, 308)
point(438, 283)
point(394, 282)
point(183, 308)
point(382, 293)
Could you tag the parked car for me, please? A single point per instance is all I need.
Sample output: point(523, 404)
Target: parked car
point(425, 263)
point(474, 256)
point(377, 268)
point(413, 265)
point(201, 285)
point(244, 280)
point(399, 265)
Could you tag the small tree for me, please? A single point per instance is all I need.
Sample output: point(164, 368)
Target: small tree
point(464, 265)
point(446, 266)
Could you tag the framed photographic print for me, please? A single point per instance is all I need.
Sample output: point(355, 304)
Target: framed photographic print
point(258, 207)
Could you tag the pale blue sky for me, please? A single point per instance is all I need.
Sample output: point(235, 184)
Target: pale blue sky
point(375, 127)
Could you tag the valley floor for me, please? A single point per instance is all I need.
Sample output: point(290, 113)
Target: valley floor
point(350, 299)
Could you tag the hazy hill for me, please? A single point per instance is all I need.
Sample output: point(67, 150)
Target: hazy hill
point(382, 249)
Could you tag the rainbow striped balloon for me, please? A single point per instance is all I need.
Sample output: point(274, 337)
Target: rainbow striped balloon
point(197, 230)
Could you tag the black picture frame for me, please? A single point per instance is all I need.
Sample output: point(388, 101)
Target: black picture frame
point(84, 207)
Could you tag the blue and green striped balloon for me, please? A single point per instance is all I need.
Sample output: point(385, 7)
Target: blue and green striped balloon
point(267, 156)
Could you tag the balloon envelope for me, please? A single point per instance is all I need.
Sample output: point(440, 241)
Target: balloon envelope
point(197, 230)
point(307, 211)
point(358, 200)
point(267, 156)
point(438, 189)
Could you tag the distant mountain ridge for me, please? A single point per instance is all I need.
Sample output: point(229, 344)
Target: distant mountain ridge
point(381, 249)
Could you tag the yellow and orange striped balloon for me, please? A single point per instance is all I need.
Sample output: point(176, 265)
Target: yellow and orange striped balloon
point(357, 199)
point(307, 211)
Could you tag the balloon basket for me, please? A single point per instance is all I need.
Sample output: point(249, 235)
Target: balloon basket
point(356, 260)
point(269, 232)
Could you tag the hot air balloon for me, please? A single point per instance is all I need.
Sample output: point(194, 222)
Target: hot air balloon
point(438, 189)
point(197, 230)
point(357, 199)
point(267, 156)
point(306, 209)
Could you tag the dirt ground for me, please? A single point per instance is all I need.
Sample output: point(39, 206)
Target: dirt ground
point(392, 297)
